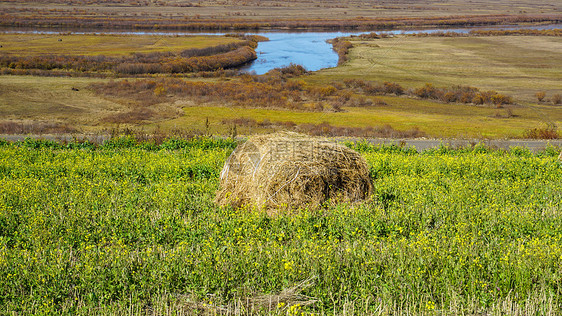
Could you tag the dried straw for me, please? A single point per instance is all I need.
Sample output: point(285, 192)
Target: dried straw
point(289, 170)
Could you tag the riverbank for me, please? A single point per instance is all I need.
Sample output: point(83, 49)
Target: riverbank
point(396, 85)
point(122, 54)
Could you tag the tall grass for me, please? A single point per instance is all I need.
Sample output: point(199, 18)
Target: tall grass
point(129, 228)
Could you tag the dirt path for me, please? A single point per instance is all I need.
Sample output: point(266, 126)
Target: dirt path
point(419, 144)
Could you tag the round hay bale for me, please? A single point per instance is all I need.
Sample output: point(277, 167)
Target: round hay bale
point(289, 170)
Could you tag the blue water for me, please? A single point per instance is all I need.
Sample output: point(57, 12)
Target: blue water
point(309, 49)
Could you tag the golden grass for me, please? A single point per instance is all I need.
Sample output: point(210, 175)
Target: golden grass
point(514, 65)
point(41, 98)
point(437, 120)
point(518, 66)
point(109, 45)
point(52, 99)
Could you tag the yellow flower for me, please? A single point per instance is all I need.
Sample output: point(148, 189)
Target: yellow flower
point(430, 305)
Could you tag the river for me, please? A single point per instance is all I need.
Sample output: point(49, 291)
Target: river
point(309, 49)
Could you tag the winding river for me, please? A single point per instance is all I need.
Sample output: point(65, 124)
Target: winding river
point(309, 49)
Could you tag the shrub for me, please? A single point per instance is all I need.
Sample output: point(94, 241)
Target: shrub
point(548, 132)
point(392, 87)
point(478, 99)
point(540, 95)
point(500, 99)
point(428, 92)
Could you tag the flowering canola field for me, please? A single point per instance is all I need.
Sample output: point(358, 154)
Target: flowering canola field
point(128, 227)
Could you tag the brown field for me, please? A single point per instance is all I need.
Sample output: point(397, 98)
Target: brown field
point(39, 100)
point(515, 68)
point(519, 66)
point(218, 14)
point(255, 10)
point(103, 44)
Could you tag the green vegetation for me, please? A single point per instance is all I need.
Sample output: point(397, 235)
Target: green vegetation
point(465, 121)
point(128, 227)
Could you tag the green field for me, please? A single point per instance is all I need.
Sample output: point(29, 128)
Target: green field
point(437, 120)
point(132, 228)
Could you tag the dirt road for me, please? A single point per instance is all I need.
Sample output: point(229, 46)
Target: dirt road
point(419, 143)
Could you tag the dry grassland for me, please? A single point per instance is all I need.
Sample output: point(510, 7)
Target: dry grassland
point(49, 99)
point(108, 45)
point(257, 10)
point(515, 65)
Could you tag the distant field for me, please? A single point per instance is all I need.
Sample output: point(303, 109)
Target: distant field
point(109, 45)
point(254, 10)
point(518, 66)
point(435, 119)
point(514, 65)
point(52, 99)
point(251, 15)
point(102, 55)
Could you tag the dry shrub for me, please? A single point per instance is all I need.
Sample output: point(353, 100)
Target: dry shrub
point(327, 130)
point(540, 95)
point(547, 132)
point(342, 48)
point(289, 170)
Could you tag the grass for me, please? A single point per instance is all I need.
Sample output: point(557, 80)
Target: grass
point(132, 228)
point(108, 45)
point(52, 99)
point(278, 10)
point(513, 65)
point(437, 120)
